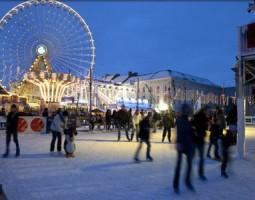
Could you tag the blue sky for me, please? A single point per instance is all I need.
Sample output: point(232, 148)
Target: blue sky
point(195, 37)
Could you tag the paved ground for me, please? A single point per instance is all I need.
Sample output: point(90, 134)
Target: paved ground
point(104, 169)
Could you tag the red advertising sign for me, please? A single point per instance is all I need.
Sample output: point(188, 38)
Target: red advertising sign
point(22, 125)
point(37, 125)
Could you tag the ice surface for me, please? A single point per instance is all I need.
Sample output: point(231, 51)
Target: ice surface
point(104, 169)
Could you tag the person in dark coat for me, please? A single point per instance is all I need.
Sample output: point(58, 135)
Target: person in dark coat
point(144, 135)
point(108, 117)
point(3, 114)
point(215, 135)
point(114, 119)
point(130, 123)
point(11, 130)
point(184, 145)
point(200, 122)
point(229, 140)
point(168, 123)
point(155, 120)
point(46, 115)
point(122, 121)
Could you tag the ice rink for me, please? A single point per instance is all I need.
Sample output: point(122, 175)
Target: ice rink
point(104, 169)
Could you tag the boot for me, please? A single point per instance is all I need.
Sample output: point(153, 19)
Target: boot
point(5, 155)
point(137, 160)
point(224, 174)
point(176, 190)
point(149, 158)
point(17, 153)
point(190, 187)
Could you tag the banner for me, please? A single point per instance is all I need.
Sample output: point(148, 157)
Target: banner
point(32, 124)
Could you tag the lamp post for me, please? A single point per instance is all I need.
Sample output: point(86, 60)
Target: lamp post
point(90, 93)
point(137, 94)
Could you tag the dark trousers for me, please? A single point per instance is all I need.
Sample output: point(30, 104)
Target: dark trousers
point(58, 136)
point(2, 125)
point(225, 159)
point(213, 142)
point(13, 133)
point(148, 152)
point(168, 131)
point(108, 125)
point(125, 127)
point(47, 125)
point(200, 147)
point(178, 169)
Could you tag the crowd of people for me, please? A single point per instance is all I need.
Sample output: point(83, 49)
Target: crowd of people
point(191, 131)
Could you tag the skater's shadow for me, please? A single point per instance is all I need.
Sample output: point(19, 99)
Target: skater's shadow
point(108, 166)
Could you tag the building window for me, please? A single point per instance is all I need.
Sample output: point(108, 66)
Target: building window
point(165, 88)
point(143, 89)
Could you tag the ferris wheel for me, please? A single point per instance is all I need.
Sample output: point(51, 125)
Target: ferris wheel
point(40, 27)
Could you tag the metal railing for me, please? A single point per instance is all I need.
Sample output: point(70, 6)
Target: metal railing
point(250, 120)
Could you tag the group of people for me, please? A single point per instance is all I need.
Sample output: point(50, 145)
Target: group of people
point(191, 130)
point(191, 133)
point(127, 121)
point(60, 125)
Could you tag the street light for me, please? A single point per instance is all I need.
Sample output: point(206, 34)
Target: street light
point(90, 93)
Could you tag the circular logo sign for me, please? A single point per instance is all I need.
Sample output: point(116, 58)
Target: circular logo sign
point(37, 125)
point(22, 125)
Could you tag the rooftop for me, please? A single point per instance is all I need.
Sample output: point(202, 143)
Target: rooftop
point(159, 75)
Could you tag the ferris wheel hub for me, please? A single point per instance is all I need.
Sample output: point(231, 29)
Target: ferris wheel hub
point(41, 50)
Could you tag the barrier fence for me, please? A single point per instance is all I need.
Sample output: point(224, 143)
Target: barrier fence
point(28, 124)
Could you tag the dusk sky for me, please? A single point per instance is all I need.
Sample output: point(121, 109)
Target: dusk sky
point(198, 38)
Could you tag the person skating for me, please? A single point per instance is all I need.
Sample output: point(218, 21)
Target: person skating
point(229, 140)
point(130, 121)
point(11, 130)
point(108, 117)
point(184, 145)
point(69, 144)
point(3, 114)
point(144, 135)
point(136, 120)
point(114, 119)
point(215, 135)
point(45, 114)
point(220, 120)
point(200, 122)
point(122, 122)
point(155, 120)
point(168, 123)
point(57, 129)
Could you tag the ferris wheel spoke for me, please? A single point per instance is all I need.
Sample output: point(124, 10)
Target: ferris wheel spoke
point(75, 60)
point(74, 68)
point(71, 62)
